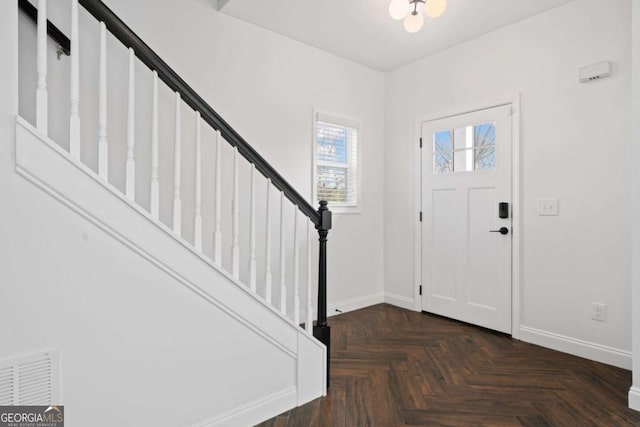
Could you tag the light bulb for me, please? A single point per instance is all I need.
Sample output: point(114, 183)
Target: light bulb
point(435, 8)
point(398, 9)
point(413, 22)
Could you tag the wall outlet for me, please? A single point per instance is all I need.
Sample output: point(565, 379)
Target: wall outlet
point(548, 207)
point(599, 311)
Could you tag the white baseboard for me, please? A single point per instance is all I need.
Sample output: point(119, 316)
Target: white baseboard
point(400, 301)
point(255, 412)
point(355, 304)
point(634, 398)
point(580, 348)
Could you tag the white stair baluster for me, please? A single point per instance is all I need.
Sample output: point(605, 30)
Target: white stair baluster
point(309, 322)
point(267, 248)
point(296, 270)
point(252, 231)
point(130, 169)
point(155, 182)
point(103, 146)
point(235, 248)
point(177, 160)
point(42, 115)
point(74, 119)
point(217, 232)
point(197, 220)
point(283, 273)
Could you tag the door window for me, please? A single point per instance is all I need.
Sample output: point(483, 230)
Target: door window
point(465, 149)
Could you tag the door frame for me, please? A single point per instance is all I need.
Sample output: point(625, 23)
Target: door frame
point(516, 213)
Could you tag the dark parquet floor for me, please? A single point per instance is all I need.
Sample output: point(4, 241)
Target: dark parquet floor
point(393, 367)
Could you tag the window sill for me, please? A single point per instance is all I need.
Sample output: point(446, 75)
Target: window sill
point(343, 210)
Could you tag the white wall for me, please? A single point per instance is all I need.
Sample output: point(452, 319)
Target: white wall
point(634, 394)
point(574, 146)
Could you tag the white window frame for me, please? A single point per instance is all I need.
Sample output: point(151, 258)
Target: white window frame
point(337, 208)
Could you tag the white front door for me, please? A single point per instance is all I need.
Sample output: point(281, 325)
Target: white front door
point(466, 175)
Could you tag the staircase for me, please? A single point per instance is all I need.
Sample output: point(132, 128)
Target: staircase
point(170, 264)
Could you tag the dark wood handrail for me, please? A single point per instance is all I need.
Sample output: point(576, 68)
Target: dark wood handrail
point(54, 32)
point(130, 39)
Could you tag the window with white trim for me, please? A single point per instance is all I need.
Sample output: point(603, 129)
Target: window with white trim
point(337, 162)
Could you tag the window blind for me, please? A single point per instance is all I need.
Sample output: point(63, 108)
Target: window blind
point(337, 160)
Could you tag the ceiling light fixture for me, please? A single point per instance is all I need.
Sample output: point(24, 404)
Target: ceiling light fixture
point(408, 9)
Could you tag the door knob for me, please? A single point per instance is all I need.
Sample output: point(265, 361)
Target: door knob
point(503, 230)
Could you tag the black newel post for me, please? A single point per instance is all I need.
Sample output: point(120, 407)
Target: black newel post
point(321, 330)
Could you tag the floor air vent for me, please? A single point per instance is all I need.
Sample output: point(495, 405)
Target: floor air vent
point(30, 380)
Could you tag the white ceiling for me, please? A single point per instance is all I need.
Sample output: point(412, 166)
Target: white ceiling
point(363, 31)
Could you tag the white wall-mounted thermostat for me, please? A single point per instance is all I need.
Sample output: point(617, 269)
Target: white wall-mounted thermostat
point(595, 71)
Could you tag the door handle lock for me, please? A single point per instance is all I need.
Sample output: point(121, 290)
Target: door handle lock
point(503, 231)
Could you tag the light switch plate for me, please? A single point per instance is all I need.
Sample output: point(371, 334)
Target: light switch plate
point(548, 207)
